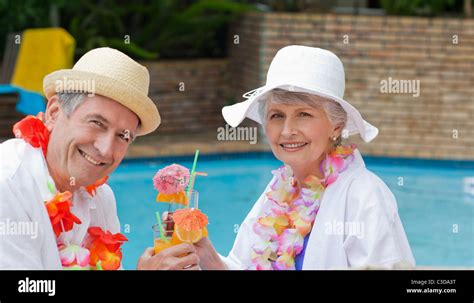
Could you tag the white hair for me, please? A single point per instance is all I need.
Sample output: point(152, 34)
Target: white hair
point(334, 111)
point(70, 101)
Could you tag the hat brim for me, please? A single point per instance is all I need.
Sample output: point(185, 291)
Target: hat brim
point(119, 91)
point(236, 113)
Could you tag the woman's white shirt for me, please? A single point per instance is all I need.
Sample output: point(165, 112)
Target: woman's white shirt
point(357, 226)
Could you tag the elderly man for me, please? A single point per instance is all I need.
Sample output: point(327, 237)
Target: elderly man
point(55, 208)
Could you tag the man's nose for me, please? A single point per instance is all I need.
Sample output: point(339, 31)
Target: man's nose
point(105, 145)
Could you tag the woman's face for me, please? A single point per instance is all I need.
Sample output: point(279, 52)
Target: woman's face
point(299, 135)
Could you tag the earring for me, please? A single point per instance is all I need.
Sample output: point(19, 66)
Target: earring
point(336, 141)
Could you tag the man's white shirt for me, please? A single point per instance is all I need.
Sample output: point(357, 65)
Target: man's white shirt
point(23, 192)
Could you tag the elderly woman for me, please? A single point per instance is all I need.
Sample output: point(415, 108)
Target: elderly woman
point(323, 209)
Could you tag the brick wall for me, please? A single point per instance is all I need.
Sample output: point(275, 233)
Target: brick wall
point(189, 94)
point(379, 47)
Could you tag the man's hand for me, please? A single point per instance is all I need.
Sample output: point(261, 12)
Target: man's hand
point(170, 258)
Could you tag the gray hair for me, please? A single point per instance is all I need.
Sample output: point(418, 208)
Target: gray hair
point(70, 101)
point(334, 111)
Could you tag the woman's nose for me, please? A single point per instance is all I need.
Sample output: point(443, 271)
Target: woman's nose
point(288, 128)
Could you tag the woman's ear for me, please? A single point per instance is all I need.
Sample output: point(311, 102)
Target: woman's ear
point(52, 112)
point(337, 131)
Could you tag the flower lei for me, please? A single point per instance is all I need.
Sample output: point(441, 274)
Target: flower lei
point(284, 226)
point(100, 250)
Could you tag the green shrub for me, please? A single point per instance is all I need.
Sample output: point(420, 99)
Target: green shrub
point(143, 29)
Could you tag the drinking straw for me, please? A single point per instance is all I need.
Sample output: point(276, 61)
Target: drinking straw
point(191, 184)
point(160, 226)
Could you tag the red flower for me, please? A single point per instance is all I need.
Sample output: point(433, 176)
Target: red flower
point(91, 188)
point(105, 248)
point(33, 131)
point(60, 214)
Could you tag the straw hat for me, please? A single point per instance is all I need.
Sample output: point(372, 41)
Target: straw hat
point(303, 69)
point(114, 75)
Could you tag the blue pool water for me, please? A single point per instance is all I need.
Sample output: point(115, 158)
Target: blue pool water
point(435, 201)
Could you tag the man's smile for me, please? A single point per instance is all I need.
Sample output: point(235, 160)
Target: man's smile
point(90, 159)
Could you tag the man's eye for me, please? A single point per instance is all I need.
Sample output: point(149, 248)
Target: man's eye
point(98, 123)
point(304, 114)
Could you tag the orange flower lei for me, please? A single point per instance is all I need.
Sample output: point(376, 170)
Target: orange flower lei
point(102, 250)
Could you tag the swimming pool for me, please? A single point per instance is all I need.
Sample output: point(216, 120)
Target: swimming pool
point(435, 201)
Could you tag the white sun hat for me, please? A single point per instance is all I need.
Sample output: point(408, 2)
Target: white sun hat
point(303, 69)
point(116, 76)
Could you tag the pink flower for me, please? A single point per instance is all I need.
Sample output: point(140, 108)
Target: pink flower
point(285, 262)
point(74, 256)
point(331, 179)
point(171, 179)
point(290, 242)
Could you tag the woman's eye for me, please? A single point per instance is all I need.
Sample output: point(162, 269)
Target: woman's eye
point(304, 114)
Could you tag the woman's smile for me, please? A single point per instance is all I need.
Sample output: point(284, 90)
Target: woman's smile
point(293, 146)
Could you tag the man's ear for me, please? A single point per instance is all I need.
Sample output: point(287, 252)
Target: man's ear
point(52, 112)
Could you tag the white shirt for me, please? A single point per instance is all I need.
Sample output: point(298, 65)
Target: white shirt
point(359, 199)
point(23, 191)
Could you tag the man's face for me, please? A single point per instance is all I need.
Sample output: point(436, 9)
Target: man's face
point(90, 143)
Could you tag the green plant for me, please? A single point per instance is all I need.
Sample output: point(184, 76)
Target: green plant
point(419, 7)
point(18, 15)
point(199, 28)
point(165, 28)
point(102, 23)
point(144, 29)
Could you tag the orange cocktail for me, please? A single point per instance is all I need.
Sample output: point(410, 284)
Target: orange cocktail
point(162, 244)
point(180, 224)
point(162, 239)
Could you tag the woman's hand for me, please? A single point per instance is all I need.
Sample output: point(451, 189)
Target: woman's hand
point(208, 256)
point(169, 259)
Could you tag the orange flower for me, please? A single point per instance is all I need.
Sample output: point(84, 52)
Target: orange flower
point(105, 248)
point(190, 219)
point(91, 189)
point(33, 131)
point(343, 150)
point(60, 214)
point(190, 224)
